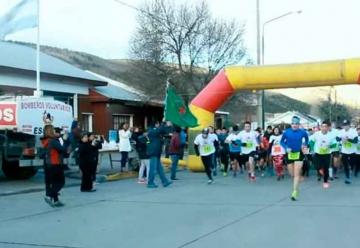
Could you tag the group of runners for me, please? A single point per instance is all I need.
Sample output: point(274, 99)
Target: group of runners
point(326, 147)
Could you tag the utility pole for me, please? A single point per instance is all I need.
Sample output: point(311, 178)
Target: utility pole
point(258, 62)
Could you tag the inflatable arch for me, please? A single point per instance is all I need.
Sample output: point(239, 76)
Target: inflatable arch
point(235, 78)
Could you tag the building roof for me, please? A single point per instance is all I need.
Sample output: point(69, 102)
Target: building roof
point(24, 57)
point(121, 91)
point(287, 116)
point(117, 93)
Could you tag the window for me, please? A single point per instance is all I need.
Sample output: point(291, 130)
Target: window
point(118, 119)
point(87, 122)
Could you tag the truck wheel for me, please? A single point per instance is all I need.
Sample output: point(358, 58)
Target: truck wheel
point(12, 170)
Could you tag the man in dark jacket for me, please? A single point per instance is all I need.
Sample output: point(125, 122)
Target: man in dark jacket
point(154, 150)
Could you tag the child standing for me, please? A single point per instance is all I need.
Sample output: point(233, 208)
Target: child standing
point(141, 148)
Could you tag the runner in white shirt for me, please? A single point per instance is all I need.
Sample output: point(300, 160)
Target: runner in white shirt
point(277, 153)
point(323, 141)
point(248, 149)
point(205, 147)
point(348, 138)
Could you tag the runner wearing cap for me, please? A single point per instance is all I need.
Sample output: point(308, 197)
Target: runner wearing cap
point(292, 141)
point(323, 141)
point(249, 145)
point(348, 138)
point(205, 147)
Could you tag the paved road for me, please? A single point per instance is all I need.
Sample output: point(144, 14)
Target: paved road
point(191, 214)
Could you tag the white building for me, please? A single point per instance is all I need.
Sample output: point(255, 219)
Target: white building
point(307, 121)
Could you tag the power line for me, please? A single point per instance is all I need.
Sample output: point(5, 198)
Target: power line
point(156, 18)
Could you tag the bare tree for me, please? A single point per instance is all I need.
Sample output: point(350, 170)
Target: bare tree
point(185, 42)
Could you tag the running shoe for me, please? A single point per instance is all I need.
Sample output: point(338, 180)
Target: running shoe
point(49, 200)
point(152, 186)
point(326, 185)
point(294, 195)
point(211, 181)
point(278, 178)
point(225, 174)
point(347, 181)
point(234, 175)
point(167, 184)
point(58, 204)
point(253, 178)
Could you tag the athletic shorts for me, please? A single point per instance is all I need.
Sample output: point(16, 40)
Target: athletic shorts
point(335, 154)
point(291, 161)
point(245, 157)
point(322, 161)
point(262, 154)
point(235, 155)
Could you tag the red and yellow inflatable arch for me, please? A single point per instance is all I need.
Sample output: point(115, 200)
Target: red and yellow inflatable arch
point(235, 78)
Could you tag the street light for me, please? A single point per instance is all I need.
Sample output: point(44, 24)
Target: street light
point(263, 30)
point(263, 53)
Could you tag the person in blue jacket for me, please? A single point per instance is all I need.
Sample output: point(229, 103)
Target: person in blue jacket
point(154, 150)
point(294, 140)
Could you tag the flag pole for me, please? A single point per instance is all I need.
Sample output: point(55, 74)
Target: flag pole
point(38, 92)
point(166, 96)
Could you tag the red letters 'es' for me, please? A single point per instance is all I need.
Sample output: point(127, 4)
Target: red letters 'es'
point(7, 114)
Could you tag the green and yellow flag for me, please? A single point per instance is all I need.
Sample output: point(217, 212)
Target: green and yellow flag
point(177, 111)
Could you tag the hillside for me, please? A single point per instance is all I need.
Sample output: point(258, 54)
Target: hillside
point(240, 106)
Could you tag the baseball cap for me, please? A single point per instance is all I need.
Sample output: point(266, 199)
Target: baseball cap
point(346, 123)
point(295, 120)
point(205, 131)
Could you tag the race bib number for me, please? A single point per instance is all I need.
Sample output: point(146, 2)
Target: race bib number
point(324, 150)
point(207, 148)
point(347, 145)
point(277, 149)
point(249, 145)
point(294, 155)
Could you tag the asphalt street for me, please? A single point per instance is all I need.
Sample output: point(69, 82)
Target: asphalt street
point(230, 213)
